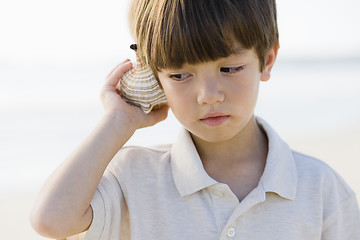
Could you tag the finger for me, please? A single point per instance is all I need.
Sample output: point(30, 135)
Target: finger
point(112, 71)
point(118, 72)
point(126, 60)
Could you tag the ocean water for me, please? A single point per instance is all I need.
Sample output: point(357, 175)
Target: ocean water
point(47, 108)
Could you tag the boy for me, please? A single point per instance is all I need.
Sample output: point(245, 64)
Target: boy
point(228, 175)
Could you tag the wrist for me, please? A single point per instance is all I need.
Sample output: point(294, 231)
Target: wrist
point(113, 131)
point(120, 120)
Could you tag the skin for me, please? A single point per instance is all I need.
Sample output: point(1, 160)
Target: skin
point(224, 142)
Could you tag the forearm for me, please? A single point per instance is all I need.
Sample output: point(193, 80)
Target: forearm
point(66, 196)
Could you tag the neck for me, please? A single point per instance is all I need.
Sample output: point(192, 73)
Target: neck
point(248, 149)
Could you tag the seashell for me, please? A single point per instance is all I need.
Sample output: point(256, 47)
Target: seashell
point(140, 87)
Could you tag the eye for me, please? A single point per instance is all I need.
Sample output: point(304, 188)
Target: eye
point(180, 76)
point(231, 70)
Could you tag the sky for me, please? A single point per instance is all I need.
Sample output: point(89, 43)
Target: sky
point(79, 30)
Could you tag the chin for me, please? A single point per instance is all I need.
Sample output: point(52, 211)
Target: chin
point(213, 136)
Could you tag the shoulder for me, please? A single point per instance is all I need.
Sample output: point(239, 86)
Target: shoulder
point(135, 159)
point(336, 200)
point(319, 172)
point(139, 153)
point(311, 166)
point(320, 185)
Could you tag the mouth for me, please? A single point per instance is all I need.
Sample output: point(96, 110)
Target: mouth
point(214, 119)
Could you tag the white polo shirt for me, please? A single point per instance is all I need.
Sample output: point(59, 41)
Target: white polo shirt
point(165, 193)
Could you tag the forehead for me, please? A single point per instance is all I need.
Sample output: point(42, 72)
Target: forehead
point(240, 57)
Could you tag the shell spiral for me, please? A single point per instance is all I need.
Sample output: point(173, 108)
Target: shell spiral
point(140, 87)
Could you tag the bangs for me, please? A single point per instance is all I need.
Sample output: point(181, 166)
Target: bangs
point(175, 32)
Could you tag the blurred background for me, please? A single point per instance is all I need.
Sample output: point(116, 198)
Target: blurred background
point(55, 55)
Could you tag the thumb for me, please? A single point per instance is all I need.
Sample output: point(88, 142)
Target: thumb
point(113, 78)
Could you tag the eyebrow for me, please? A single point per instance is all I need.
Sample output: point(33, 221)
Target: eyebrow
point(239, 51)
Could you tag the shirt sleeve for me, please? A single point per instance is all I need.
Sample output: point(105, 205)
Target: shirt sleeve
point(344, 223)
point(108, 205)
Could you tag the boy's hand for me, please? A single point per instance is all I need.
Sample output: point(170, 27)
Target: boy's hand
point(114, 104)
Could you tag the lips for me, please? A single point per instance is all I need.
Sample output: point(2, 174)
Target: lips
point(214, 119)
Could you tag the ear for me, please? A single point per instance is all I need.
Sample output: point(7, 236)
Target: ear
point(269, 63)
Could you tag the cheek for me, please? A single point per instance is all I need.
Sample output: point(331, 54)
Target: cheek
point(244, 93)
point(251, 84)
point(176, 97)
point(180, 103)
point(179, 96)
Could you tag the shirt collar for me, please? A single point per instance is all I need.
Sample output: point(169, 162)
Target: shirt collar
point(280, 175)
point(187, 168)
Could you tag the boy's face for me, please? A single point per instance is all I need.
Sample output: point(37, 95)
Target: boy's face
point(215, 100)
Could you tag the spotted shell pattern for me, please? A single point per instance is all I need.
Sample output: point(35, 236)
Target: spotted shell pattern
point(140, 87)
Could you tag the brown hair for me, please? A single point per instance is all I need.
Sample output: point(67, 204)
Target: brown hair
point(170, 33)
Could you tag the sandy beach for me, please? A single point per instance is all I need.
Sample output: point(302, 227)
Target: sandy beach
point(339, 148)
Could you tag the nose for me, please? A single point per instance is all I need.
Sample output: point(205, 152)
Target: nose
point(209, 91)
